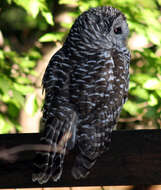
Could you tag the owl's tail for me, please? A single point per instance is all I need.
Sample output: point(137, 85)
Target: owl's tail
point(88, 151)
point(50, 162)
point(82, 166)
point(92, 142)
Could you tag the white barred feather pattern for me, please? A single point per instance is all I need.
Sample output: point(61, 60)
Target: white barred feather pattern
point(86, 84)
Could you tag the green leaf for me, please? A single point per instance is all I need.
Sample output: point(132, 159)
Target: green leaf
point(34, 73)
point(18, 98)
point(151, 112)
point(49, 37)
point(1, 54)
point(24, 89)
point(158, 92)
point(34, 8)
point(5, 125)
point(23, 80)
point(153, 101)
point(140, 78)
point(34, 54)
point(2, 123)
point(66, 25)
point(132, 85)
point(140, 92)
point(132, 108)
point(154, 36)
point(31, 6)
point(13, 110)
point(147, 3)
point(72, 2)
point(152, 84)
point(27, 63)
point(48, 17)
point(159, 1)
point(5, 98)
point(5, 84)
point(10, 54)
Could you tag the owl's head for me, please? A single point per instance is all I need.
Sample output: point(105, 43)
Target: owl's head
point(102, 26)
point(118, 29)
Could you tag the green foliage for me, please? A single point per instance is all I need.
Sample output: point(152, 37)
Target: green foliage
point(32, 19)
point(33, 7)
point(14, 85)
point(49, 37)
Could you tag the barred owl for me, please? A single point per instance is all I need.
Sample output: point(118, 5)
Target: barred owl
point(86, 85)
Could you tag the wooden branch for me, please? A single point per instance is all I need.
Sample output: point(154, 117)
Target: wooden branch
point(134, 158)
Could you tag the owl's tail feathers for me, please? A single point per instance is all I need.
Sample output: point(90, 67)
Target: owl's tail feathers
point(49, 163)
point(82, 166)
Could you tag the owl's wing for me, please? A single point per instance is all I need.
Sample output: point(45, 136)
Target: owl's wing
point(58, 117)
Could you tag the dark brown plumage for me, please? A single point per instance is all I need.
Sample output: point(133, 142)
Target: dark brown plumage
point(86, 85)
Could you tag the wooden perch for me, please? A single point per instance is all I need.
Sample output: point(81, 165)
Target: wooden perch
point(134, 158)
